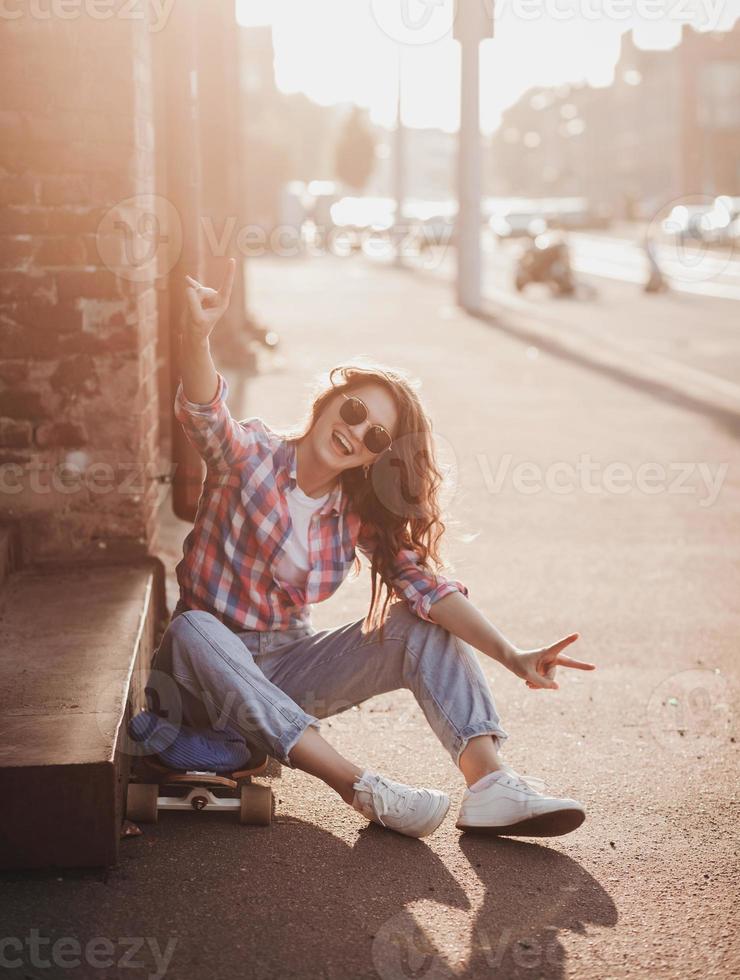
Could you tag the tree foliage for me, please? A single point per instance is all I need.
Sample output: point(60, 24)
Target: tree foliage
point(355, 151)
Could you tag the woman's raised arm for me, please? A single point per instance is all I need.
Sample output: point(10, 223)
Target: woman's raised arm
point(206, 306)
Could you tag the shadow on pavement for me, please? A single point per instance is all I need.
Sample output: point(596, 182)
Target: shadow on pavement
point(532, 893)
point(201, 896)
point(667, 389)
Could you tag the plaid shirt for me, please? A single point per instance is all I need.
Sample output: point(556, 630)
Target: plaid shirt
point(243, 519)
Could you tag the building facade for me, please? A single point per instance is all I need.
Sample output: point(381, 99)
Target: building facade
point(668, 127)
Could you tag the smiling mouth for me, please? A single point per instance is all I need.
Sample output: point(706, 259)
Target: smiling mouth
point(341, 443)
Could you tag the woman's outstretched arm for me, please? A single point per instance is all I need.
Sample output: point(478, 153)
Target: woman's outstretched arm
point(464, 619)
point(458, 615)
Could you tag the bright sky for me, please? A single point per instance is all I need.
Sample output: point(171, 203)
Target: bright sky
point(349, 50)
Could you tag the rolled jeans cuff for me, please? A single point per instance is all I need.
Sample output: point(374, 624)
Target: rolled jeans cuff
point(481, 728)
point(288, 739)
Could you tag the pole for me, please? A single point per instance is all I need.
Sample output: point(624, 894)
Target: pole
point(472, 23)
point(398, 170)
point(468, 183)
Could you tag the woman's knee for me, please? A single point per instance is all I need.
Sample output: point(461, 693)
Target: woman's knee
point(403, 618)
point(438, 653)
point(190, 632)
point(401, 621)
point(429, 635)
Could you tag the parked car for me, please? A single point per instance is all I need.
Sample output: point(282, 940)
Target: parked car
point(574, 213)
point(717, 223)
point(438, 229)
point(688, 222)
point(357, 218)
point(517, 224)
point(722, 224)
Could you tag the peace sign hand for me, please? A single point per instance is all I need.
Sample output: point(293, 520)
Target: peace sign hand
point(537, 667)
point(206, 305)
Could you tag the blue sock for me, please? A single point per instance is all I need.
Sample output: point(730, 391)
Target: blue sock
point(182, 747)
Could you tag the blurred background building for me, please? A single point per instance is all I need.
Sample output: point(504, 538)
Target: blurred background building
point(667, 127)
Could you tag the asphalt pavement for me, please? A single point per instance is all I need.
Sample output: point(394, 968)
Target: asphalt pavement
point(574, 502)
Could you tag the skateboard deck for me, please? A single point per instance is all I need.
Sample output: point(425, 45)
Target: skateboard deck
point(154, 787)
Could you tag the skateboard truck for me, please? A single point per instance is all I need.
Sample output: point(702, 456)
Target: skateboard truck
point(202, 790)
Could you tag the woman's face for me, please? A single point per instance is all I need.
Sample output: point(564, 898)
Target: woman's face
point(381, 411)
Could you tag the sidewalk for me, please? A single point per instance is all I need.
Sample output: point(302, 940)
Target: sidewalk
point(648, 577)
point(594, 334)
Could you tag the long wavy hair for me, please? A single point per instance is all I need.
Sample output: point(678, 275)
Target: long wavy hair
point(398, 501)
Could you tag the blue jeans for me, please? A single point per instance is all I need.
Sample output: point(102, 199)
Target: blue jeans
point(271, 685)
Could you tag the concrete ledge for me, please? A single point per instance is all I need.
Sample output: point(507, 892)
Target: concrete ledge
point(77, 643)
point(9, 550)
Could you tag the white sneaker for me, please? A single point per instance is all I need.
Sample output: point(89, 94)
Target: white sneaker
point(514, 805)
point(414, 812)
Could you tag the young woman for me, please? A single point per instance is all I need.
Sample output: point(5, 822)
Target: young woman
point(278, 523)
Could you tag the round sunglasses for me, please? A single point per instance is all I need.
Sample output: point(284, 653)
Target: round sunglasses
point(354, 411)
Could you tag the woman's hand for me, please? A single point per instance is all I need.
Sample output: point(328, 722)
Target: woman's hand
point(537, 667)
point(207, 305)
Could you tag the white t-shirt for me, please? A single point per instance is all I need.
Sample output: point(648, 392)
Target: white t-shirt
point(293, 565)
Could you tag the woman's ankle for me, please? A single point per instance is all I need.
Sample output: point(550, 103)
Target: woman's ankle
point(314, 755)
point(479, 758)
point(347, 790)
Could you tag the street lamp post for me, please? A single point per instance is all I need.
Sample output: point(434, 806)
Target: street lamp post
point(473, 22)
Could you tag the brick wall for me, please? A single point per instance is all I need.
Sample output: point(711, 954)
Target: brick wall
point(79, 405)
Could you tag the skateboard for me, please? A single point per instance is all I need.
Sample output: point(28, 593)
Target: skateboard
point(154, 787)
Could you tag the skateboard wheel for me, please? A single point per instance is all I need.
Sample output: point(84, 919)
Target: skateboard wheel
point(141, 802)
point(256, 804)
